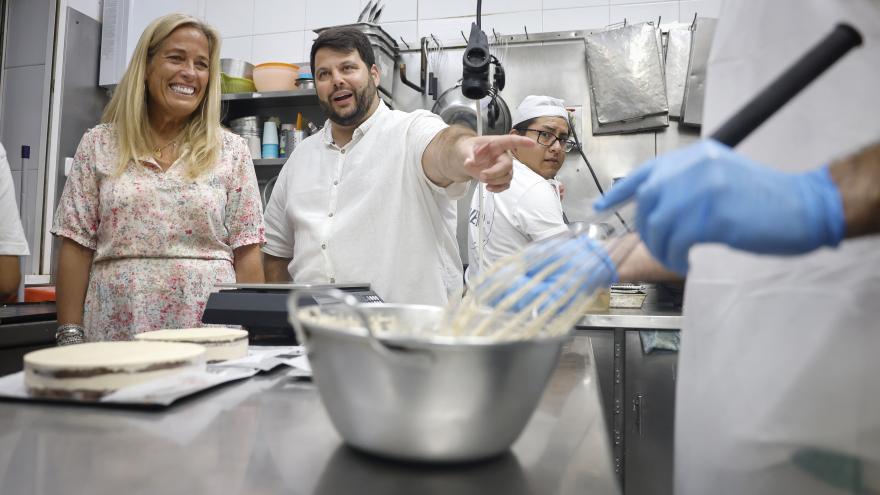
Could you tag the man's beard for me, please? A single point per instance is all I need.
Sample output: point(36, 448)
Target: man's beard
point(363, 99)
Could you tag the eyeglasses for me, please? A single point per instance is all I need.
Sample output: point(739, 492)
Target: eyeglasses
point(548, 138)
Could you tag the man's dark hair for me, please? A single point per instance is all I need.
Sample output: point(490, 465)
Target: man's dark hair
point(345, 40)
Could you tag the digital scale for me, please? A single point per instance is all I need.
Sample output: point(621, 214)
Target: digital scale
point(262, 308)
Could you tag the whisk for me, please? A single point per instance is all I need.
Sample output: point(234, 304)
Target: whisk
point(545, 288)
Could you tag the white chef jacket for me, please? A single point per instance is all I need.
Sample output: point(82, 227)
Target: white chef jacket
point(529, 210)
point(778, 387)
point(366, 212)
point(12, 239)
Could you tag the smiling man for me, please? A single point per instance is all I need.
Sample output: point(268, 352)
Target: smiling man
point(370, 198)
point(531, 208)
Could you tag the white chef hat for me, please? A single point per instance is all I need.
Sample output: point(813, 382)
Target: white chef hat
point(539, 106)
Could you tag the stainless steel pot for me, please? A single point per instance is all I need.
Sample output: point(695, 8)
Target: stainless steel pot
point(237, 68)
point(454, 108)
point(393, 392)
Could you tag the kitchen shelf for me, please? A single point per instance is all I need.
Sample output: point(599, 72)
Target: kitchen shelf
point(264, 162)
point(273, 99)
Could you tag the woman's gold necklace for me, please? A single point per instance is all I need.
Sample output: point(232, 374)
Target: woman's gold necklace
point(158, 150)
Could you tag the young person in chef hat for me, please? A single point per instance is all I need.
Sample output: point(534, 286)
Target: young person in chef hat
point(531, 209)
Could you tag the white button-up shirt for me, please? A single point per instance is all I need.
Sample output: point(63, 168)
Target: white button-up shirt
point(12, 239)
point(366, 212)
point(528, 211)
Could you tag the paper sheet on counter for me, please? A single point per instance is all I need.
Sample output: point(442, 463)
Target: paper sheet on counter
point(161, 392)
point(266, 358)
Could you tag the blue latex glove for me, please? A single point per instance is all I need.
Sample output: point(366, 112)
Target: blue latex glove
point(706, 192)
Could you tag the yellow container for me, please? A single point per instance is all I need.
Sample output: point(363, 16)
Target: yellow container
point(229, 84)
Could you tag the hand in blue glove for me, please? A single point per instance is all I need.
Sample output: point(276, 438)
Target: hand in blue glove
point(706, 192)
point(567, 267)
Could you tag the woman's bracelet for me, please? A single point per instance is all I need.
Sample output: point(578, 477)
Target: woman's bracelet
point(70, 333)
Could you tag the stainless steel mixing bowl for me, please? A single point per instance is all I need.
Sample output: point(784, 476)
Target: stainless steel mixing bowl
point(395, 391)
point(237, 68)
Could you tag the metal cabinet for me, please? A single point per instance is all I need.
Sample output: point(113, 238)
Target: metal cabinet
point(638, 396)
point(649, 417)
point(638, 389)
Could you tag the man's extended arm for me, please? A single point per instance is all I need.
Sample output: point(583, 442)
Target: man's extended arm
point(456, 154)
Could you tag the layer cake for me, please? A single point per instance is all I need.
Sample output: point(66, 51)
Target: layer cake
point(220, 343)
point(90, 371)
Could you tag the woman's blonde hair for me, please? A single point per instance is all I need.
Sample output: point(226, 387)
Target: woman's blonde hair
point(128, 112)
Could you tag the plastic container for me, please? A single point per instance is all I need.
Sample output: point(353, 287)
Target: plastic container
point(39, 294)
point(305, 81)
point(270, 140)
point(275, 76)
point(254, 146)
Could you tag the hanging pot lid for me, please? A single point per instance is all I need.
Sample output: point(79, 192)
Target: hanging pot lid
point(454, 108)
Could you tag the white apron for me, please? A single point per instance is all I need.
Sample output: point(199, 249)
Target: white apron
point(779, 371)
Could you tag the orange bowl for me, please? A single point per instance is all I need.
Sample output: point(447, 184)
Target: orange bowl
point(275, 76)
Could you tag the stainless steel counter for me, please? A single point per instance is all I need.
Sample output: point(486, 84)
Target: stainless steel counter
point(647, 319)
point(270, 435)
point(24, 327)
point(660, 310)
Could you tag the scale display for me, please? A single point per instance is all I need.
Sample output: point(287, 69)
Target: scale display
point(262, 308)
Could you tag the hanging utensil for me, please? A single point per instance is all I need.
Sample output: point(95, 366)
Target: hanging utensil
point(363, 16)
point(373, 11)
point(454, 108)
point(626, 74)
point(695, 83)
point(375, 18)
point(678, 49)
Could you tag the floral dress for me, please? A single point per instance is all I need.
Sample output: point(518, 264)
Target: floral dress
point(161, 240)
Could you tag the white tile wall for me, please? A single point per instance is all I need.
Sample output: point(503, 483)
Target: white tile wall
point(434, 9)
point(278, 47)
point(704, 8)
point(570, 4)
point(279, 16)
point(644, 12)
point(261, 30)
point(577, 18)
point(446, 30)
point(231, 17)
point(503, 6)
point(308, 38)
point(512, 23)
point(240, 47)
point(397, 10)
point(323, 13)
point(408, 30)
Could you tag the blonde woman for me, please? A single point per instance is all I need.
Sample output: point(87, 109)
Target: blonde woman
point(161, 202)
